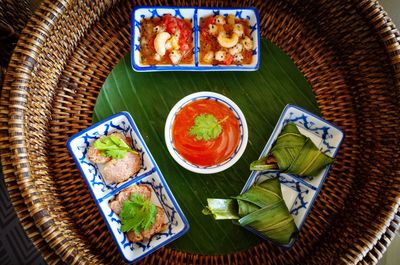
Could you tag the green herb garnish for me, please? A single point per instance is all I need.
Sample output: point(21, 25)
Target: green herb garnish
point(112, 146)
point(137, 214)
point(206, 127)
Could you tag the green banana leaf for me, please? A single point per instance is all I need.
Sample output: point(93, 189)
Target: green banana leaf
point(310, 161)
point(250, 201)
point(294, 153)
point(245, 208)
point(273, 221)
point(253, 196)
point(261, 207)
point(261, 95)
point(287, 146)
point(272, 185)
point(263, 164)
point(221, 209)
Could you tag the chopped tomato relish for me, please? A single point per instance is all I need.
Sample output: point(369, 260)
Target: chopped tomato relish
point(166, 40)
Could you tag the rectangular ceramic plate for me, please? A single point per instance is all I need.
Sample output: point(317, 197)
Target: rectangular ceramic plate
point(149, 174)
point(194, 14)
point(300, 193)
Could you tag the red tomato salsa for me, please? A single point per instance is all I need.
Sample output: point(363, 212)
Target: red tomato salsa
point(201, 152)
point(225, 41)
point(166, 40)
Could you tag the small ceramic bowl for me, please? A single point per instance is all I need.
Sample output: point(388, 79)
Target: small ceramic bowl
point(150, 174)
point(214, 168)
point(193, 14)
point(299, 193)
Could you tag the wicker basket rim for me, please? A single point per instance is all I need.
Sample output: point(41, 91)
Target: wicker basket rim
point(379, 18)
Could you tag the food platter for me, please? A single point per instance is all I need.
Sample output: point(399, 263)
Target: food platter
point(53, 82)
point(261, 108)
point(194, 132)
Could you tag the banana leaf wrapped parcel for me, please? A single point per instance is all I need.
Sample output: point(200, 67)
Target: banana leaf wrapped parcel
point(293, 153)
point(261, 207)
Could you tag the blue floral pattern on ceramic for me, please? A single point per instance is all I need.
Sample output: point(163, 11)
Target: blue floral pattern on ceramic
point(193, 14)
point(300, 193)
point(96, 180)
point(246, 13)
point(176, 223)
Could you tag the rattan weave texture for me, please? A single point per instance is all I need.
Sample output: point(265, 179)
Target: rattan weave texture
point(349, 51)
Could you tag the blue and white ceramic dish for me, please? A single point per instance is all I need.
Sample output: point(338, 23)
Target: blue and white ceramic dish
point(251, 14)
point(194, 14)
point(215, 168)
point(300, 193)
point(149, 174)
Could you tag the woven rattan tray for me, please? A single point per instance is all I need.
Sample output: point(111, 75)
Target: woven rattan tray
point(349, 51)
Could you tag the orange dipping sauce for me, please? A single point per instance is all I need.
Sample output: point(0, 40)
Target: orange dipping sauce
point(213, 151)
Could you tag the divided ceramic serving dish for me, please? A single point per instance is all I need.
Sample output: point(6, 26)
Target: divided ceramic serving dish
point(149, 174)
point(299, 193)
point(194, 14)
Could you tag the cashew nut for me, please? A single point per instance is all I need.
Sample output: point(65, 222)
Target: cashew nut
point(247, 43)
point(157, 57)
point(208, 57)
point(172, 43)
point(220, 20)
point(227, 42)
point(238, 57)
point(236, 49)
point(159, 42)
point(158, 29)
point(238, 29)
point(175, 56)
point(220, 56)
point(212, 29)
point(168, 45)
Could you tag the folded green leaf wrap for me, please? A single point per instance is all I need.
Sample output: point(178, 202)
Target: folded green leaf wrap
point(294, 153)
point(221, 209)
point(260, 207)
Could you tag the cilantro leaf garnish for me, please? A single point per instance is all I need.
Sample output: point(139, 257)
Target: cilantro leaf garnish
point(206, 127)
point(137, 214)
point(112, 146)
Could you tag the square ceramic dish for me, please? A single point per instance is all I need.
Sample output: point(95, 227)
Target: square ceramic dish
point(149, 174)
point(194, 14)
point(251, 14)
point(141, 12)
point(300, 193)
